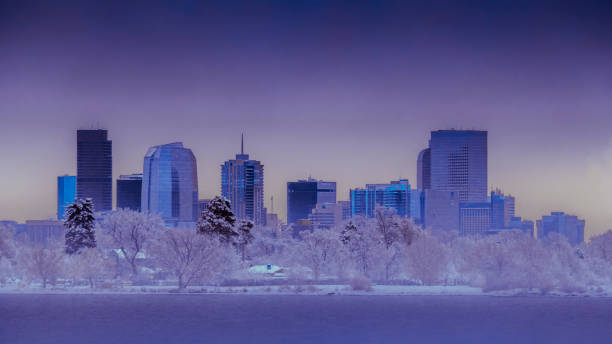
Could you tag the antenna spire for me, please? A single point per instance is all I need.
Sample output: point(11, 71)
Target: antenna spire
point(242, 144)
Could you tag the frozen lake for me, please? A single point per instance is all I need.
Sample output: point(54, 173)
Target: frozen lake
point(173, 318)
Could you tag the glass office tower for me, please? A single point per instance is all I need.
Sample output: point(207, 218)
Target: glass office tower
point(170, 183)
point(129, 192)
point(95, 168)
point(242, 182)
point(459, 163)
point(395, 195)
point(66, 193)
point(304, 195)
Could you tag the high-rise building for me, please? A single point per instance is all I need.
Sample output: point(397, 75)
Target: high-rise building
point(395, 195)
point(459, 163)
point(170, 183)
point(502, 209)
point(95, 168)
point(441, 210)
point(346, 209)
point(304, 195)
point(326, 215)
point(242, 182)
point(203, 204)
point(417, 206)
point(567, 225)
point(424, 170)
point(129, 191)
point(474, 218)
point(66, 193)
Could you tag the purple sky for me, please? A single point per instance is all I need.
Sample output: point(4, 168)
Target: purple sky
point(345, 92)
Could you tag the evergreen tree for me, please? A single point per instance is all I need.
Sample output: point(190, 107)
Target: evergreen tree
point(218, 219)
point(79, 225)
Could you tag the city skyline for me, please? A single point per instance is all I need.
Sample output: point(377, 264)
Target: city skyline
point(338, 95)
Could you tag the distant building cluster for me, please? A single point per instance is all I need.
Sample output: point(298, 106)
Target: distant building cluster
point(451, 192)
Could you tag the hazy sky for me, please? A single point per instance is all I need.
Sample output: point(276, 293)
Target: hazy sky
point(344, 91)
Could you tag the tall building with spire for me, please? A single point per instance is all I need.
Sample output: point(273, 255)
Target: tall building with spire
point(95, 168)
point(242, 182)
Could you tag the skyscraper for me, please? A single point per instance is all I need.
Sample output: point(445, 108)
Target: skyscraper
point(567, 225)
point(170, 183)
point(66, 193)
point(304, 195)
point(242, 182)
point(395, 195)
point(424, 170)
point(459, 163)
point(95, 168)
point(129, 192)
point(502, 209)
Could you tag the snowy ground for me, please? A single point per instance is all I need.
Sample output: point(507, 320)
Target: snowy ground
point(300, 290)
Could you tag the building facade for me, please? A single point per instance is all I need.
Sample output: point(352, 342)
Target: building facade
point(459, 163)
point(395, 195)
point(66, 194)
point(242, 182)
point(95, 168)
point(129, 192)
point(474, 218)
point(304, 195)
point(424, 170)
point(326, 215)
point(441, 210)
point(569, 226)
point(502, 209)
point(170, 183)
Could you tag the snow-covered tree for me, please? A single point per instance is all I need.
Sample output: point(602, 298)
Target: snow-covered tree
point(364, 245)
point(219, 220)
point(80, 223)
point(245, 236)
point(318, 251)
point(130, 232)
point(388, 229)
point(408, 231)
point(40, 262)
point(427, 259)
point(7, 247)
point(190, 257)
point(600, 247)
point(90, 265)
point(347, 231)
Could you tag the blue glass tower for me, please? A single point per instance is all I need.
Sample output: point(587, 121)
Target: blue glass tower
point(170, 183)
point(66, 193)
point(395, 195)
point(242, 182)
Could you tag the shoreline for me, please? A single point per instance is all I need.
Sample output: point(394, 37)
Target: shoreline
point(297, 290)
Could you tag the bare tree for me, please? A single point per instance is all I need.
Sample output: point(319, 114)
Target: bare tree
point(317, 250)
point(427, 259)
point(39, 262)
point(130, 232)
point(90, 265)
point(190, 256)
point(7, 247)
